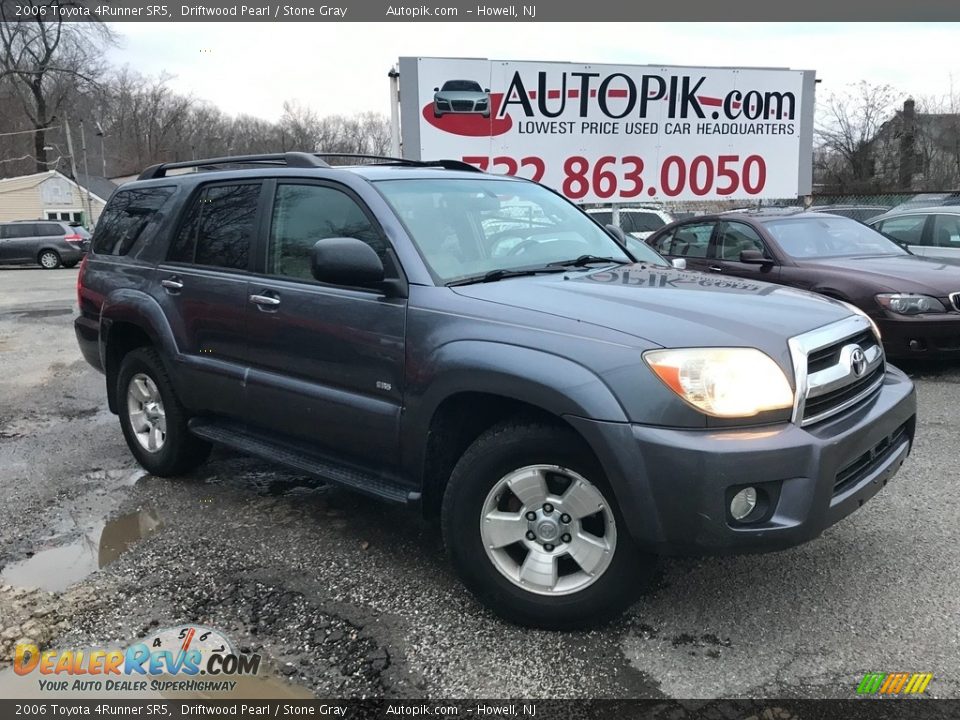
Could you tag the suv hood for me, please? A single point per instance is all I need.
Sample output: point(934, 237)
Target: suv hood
point(899, 273)
point(668, 307)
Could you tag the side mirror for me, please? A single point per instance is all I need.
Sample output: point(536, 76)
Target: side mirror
point(486, 90)
point(617, 234)
point(345, 261)
point(679, 263)
point(754, 257)
point(436, 89)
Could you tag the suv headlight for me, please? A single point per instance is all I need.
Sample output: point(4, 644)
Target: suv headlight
point(909, 303)
point(723, 382)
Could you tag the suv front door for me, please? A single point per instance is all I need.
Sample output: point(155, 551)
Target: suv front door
point(326, 362)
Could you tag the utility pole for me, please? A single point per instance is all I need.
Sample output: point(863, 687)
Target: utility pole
point(86, 171)
point(394, 111)
point(73, 164)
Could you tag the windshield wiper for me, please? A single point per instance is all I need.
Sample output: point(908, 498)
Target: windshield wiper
point(587, 260)
point(500, 274)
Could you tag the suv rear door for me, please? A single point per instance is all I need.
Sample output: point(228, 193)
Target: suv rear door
point(20, 242)
point(202, 287)
point(326, 362)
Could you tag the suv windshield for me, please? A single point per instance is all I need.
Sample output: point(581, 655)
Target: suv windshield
point(466, 228)
point(829, 237)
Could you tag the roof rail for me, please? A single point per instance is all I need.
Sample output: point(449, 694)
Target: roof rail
point(388, 160)
point(290, 159)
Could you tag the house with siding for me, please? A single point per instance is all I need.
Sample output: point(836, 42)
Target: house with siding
point(54, 196)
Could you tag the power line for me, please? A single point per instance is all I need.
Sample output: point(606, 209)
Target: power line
point(26, 132)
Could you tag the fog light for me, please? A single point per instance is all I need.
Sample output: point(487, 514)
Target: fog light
point(743, 503)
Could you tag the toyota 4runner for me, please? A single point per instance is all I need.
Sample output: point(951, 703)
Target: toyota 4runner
point(426, 333)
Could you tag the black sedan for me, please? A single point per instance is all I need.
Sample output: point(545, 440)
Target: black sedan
point(914, 300)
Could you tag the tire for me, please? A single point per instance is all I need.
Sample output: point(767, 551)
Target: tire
point(558, 455)
point(141, 381)
point(49, 259)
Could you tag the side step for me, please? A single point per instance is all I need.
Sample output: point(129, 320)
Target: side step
point(233, 435)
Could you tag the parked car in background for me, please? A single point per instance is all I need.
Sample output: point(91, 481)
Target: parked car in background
point(461, 96)
point(640, 223)
point(928, 200)
point(47, 243)
point(915, 301)
point(933, 231)
point(861, 213)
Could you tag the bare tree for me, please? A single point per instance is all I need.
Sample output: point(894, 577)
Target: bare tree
point(44, 60)
point(848, 127)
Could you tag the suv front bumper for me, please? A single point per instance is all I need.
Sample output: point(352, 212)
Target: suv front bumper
point(674, 485)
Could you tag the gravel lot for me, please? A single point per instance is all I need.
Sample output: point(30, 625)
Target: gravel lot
point(347, 596)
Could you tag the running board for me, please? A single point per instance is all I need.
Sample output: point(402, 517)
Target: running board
point(235, 436)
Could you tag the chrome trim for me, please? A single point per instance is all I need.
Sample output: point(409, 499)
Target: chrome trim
point(858, 398)
point(955, 300)
point(841, 374)
point(802, 345)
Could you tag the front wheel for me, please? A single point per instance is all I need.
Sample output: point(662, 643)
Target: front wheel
point(154, 422)
point(534, 530)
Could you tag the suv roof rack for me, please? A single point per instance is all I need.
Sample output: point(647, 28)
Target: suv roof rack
point(290, 159)
point(299, 160)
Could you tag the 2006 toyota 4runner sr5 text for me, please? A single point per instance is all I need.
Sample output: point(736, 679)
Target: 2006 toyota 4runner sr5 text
point(570, 408)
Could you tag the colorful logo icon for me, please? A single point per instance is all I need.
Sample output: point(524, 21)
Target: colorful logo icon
point(894, 683)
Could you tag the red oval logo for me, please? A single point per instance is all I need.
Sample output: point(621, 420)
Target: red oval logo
point(471, 124)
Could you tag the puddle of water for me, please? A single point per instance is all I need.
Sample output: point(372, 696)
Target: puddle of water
point(58, 568)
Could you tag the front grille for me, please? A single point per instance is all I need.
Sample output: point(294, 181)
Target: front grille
point(463, 105)
point(839, 366)
point(955, 299)
point(828, 356)
point(854, 472)
point(822, 404)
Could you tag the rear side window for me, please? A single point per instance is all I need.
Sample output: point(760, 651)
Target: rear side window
point(47, 229)
point(219, 227)
point(126, 217)
point(641, 222)
point(908, 229)
point(689, 241)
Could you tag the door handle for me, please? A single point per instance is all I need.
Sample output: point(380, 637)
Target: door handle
point(172, 283)
point(716, 268)
point(264, 300)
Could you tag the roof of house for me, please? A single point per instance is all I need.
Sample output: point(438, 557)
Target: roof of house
point(99, 187)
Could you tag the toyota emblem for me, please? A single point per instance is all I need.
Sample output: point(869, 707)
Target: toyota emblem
point(858, 362)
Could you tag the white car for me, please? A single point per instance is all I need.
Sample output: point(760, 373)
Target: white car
point(929, 231)
point(640, 223)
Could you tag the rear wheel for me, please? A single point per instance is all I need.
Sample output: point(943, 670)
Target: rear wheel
point(49, 259)
point(534, 530)
point(154, 422)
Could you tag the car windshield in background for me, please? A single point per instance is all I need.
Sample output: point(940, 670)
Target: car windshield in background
point(467, 228)
point(810, 237)
point(461, 86)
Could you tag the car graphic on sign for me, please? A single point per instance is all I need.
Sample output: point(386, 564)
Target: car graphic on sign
point(461, 96)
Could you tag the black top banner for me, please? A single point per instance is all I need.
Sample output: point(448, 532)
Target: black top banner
point(473, 11)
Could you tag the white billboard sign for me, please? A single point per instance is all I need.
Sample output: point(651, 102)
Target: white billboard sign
point(616, 133)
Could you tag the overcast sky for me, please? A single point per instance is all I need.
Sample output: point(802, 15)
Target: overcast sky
point(341, 67)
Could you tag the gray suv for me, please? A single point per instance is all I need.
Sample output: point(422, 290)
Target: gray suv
point(477, 346)
point(47, 243)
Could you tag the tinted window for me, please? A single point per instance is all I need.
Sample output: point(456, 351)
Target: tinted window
point(462, 86)
point(604, 217)
point(735, 238)
point(641, 221)
point(946, 231)
point(907, 229)
point(690, 241)
point(126, 217)
point(303, 214)
point(21, 230)
point(46, 229)
point(219, 227)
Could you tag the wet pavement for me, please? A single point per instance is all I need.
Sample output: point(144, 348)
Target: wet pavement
point(348, 596)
